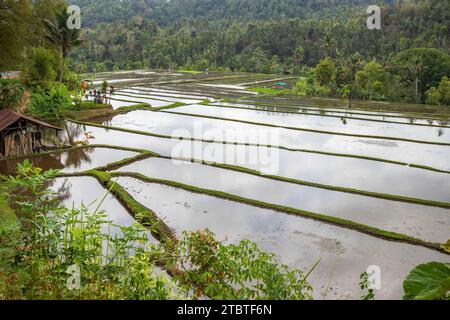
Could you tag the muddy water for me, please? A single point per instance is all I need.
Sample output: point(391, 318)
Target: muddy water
point(181, 125)
point(332, 170)
point(69, 161)
point(77, 191)
point(424, 222)
point(296, 241)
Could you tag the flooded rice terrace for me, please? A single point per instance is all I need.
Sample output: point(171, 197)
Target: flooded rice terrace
point(303, 178)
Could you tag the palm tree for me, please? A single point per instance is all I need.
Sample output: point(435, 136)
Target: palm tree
point(299, 55)
point(58, 33)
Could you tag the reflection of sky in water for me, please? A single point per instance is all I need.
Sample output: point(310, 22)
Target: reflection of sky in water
point(70, 161)
point(339, 171)
point(163, 94)
point(349, 112)
point(428, 223)
point(147, 98)
point(87, 191)
point(85, 159)
point(297, 242)
point(324, 123)
point(116, 104)
point(154, 103)
point(166, 123)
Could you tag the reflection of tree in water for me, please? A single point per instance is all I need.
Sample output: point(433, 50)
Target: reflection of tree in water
point(78, 156)
point(45, 162)
point(72, 132)
point(63, 192)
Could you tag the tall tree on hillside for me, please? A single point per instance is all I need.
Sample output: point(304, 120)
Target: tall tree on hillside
point(299, 55)
point(59, 34)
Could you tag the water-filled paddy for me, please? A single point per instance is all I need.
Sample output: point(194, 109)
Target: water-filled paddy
point(343, 113)
point(364, 174)
point(297, 242)
point(116, 104)
point(428, 223)
point(76, 160)
point(346, 125)
point(73, 192)
point(128, 101)
point(162, 94)
point(183, 125)
point(296, 117)
point(146, 97)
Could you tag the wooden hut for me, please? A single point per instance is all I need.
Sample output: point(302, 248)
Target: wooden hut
point(21, 135)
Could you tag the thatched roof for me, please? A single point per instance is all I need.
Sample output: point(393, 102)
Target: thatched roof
point(8, 117)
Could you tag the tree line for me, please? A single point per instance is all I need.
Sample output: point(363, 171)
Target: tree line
point(404, 60)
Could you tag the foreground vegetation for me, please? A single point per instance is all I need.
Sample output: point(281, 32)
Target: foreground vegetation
point(45, 246)
point(47, 242)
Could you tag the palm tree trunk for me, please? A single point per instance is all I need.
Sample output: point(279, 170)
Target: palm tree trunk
point(61, 74)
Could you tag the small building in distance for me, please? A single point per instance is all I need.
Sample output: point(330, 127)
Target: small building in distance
point(21, 135)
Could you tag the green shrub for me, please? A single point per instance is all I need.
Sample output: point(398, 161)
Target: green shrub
point(241, 271)
point(50, 103)
point(325, 72)
point(40, 67)
point(304, 87)
point(372, 80)
point(308, 86)
point(441, 94)
point(11, 92)
point(53, 239)
point(72, 80)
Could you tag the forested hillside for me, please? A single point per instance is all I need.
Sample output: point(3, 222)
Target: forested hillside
point(167, 12)
point(402, 61)
point(265, 45)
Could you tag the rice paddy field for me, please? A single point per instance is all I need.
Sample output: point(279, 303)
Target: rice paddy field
point(349, 184)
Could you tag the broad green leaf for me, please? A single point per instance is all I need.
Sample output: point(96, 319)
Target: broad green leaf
point(428, 281)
